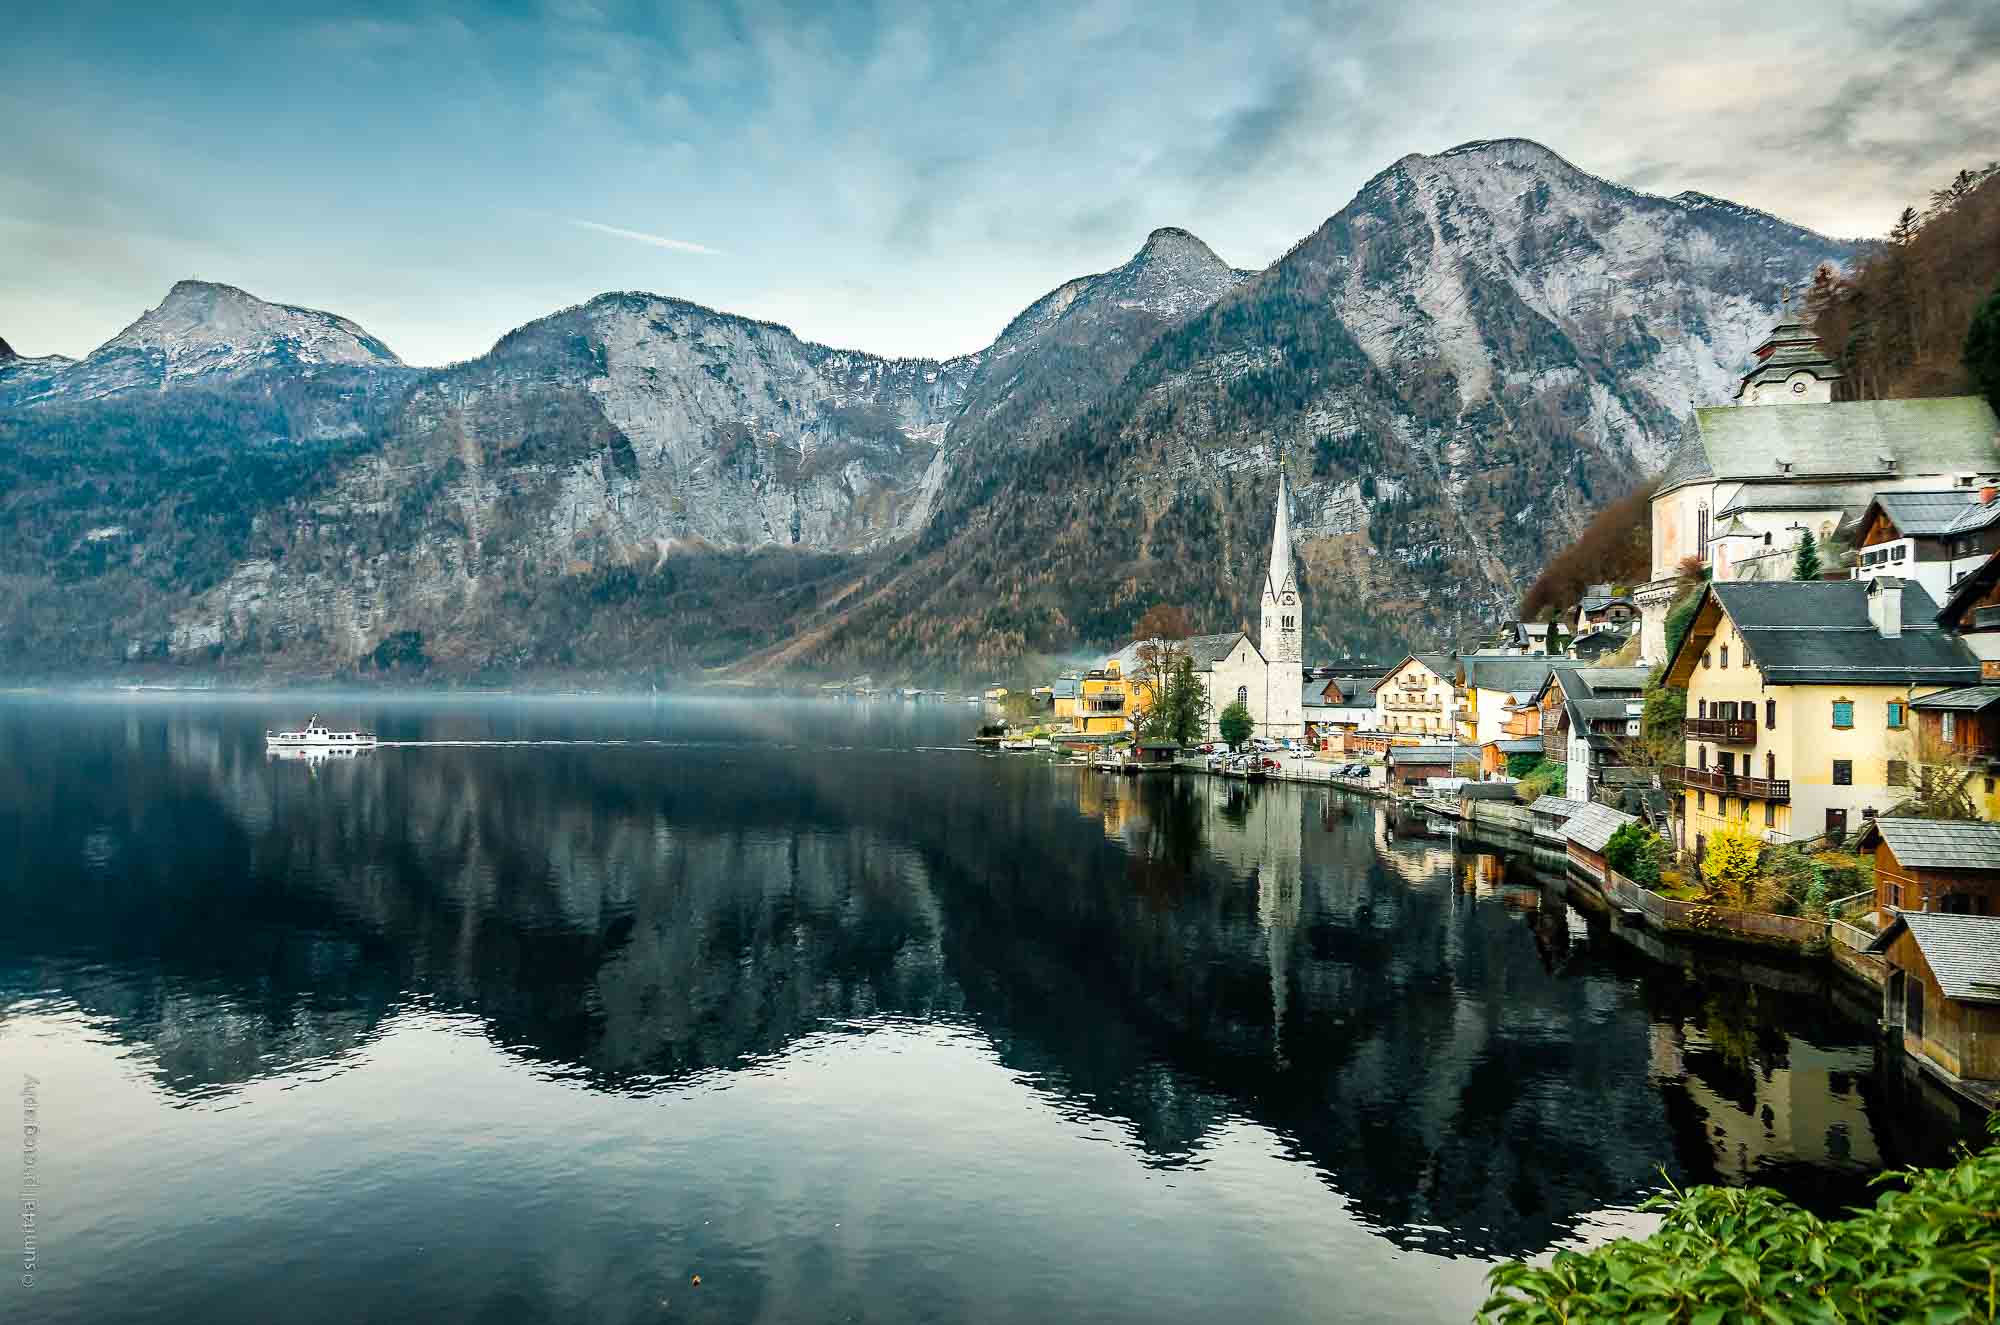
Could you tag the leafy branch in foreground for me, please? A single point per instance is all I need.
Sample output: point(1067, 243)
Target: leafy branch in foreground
point(1728, 1254)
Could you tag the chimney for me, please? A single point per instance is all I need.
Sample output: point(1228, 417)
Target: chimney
point(1885, 605)
point(1987, 494)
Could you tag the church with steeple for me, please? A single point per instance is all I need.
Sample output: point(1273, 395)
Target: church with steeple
point(1265, 674)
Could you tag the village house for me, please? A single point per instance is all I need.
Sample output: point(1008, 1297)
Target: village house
point(1972, 613)
point(1063, 696)
point(1336, 708)
point(1586, 715)
point(1524, 639)
point(1799, 700)
point(1492, 687)
point(1745, 483)
point(1601, 607)
point(1413, 766)
point(1419, 695)
point(1494, 754)
point(1934, 538)
point(1942, 997)
point(1933, 865)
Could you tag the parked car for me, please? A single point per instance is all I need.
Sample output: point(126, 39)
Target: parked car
point(1265, 744)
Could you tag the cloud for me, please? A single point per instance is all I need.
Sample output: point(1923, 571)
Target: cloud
point(641, 237)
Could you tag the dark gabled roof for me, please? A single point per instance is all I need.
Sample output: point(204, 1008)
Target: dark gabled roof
point(1356, 689)
point(1511, 674)
point(1427, 754)
point(1602, 681)
point(1946, 435)
point(1970, 589)
point(1443, 664)
point(1962, 951)
point(1965, 699)
point(1925, 514)
point(1586, 709)
point(1775, 494)
point(1818, 632)
point(1555, 805)
point(1205, 650)
point(1517, 745)
point(1592, 826)
point(1937, 844)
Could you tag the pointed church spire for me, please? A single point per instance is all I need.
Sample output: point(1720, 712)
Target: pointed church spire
point(1281, 539)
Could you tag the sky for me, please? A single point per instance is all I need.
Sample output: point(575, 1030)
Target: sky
point(899, 178)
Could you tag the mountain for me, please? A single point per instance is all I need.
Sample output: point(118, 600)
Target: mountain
point(1459, 367)
point(203, 334)
point(6, 351)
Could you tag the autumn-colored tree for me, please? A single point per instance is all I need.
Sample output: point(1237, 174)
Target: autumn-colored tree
point(1730, 865)
point(1614, 548)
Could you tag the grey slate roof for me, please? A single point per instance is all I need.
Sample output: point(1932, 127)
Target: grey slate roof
point(1965, 699)
point(1063, 687)
point(1560, 806)
point(1428, 754)
point(1606, 708)
point(1357, 689)
point(1937, 844)
point(1963, 952)
point(1599, 682)
point(1206, 650)
point(1591, 826)
point(1512, 675)
point(1938, 436)
point(1927, 514)
point(1779, 494)
point(1805, 632)
point(1518, 745)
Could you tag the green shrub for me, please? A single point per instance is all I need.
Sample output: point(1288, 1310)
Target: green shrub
point(1637, 852)
point(1545, 779)
point(1730, 1254)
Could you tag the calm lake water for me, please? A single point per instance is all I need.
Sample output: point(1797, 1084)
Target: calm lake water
point(566, 1001)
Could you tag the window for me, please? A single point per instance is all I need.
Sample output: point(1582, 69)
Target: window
point(1703, 709)
point(1843, 772)
point(1896, 715)
point(1770, 715)
point(1288, 623)
point(1703, 751)
point(1947, 727)
point(1243, 694)
point(1701, 801)
point(1843, 714)
point(1913, 1007)
point(1725, 655)
point(1770, 767)
point(1770, 814)
point(1704, 659)
point(1899, 772)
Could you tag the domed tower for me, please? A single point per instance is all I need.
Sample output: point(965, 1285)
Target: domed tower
point(1281, 639)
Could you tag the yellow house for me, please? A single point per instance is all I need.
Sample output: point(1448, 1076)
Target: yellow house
point(1798, 702)
point(1064, 698)
point(1420, 695)
point(1102, 701)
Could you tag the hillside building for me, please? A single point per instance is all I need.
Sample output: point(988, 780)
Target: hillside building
point(1749, 479)
point(1799, 702)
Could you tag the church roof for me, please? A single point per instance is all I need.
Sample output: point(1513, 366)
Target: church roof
point(1862, 438)
point(1206, 650)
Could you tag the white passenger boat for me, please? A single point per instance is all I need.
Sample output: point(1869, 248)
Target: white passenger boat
point(315, 737)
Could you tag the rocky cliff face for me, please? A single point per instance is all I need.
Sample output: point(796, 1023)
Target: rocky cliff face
point(1473, 354)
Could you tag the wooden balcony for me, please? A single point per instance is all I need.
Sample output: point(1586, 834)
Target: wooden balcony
point(1723, 731)
point(1732, 784)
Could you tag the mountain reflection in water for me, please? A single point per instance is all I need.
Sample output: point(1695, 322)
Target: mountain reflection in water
point(1462, 1064)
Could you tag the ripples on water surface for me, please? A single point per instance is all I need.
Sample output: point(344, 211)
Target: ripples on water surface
point(555, 1003)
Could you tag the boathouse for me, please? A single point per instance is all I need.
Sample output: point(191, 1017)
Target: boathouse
point(1943, 991)
point(1550, 813)
point(1949, 865)
point(1587, 833)
point(1413, 765)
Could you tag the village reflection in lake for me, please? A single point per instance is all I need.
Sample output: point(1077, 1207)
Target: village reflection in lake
point(863, 959)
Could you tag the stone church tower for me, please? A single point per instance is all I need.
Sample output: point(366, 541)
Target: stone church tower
point(1280, 640)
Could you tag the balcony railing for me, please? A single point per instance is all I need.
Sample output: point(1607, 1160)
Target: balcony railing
point(1728, 731)
point(1732, 784)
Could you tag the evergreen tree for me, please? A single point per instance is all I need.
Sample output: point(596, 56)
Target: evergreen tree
point(1806, 565)
point(1236, 724)
point(1982, 349)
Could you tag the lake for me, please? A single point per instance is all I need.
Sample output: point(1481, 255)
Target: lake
point(559, 1002)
